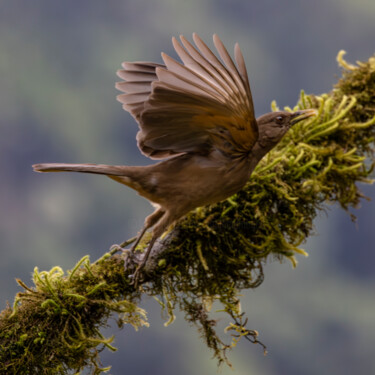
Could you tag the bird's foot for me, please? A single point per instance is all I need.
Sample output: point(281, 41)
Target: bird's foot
point(128, 253)
point(130, 261)
point(116, 247)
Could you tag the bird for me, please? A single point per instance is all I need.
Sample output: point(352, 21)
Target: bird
point(196, 116)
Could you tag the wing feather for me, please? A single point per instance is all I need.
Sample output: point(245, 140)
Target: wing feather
point(134, 86)
point(196, 67)
point(216, 76)
point(185, 74)
point(242, 68)
point(192, 106)
point(141, 66)
point(180, 83)
point(134, 75)
point(215, 62)
point(230, 66)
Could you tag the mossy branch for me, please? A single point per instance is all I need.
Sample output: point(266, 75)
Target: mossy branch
point(214, 253)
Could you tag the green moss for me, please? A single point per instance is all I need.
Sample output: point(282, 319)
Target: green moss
point(53, 327)
point(214, 253)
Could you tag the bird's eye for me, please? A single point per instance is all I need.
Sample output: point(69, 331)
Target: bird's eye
point(279, 119)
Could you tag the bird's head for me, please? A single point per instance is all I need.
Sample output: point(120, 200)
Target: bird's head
point(273, 126)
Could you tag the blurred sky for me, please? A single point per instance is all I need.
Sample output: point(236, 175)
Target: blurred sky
point(57, 102)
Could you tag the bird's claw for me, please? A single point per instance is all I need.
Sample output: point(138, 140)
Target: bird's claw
point(128, 254)
point(130, 261)
point(117, 247)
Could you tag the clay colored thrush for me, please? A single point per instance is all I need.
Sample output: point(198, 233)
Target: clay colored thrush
point(198, 115)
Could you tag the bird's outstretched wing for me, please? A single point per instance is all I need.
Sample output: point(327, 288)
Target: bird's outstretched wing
point(191, 106)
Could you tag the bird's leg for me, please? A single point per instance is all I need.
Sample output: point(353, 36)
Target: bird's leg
point(130, 253)
point(164, 221)
point(149, 222)
point(135, 276)
point(139, 237)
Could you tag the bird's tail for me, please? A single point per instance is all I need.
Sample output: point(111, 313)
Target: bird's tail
point(109, 170)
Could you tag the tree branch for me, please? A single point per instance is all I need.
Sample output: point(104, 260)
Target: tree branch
point(212, 254)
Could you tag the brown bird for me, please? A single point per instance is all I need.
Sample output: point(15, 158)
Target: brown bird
point(198, 115)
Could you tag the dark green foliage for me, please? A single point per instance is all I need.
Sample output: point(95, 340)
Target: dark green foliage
point(215, 252)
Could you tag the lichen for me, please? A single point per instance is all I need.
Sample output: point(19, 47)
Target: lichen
point(214, 253)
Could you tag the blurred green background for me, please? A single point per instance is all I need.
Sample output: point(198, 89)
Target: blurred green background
point(57, 104)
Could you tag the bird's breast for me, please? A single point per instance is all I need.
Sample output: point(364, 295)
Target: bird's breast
point(195, 180)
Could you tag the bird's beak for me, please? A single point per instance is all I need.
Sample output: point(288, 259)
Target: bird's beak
point(302, 115)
